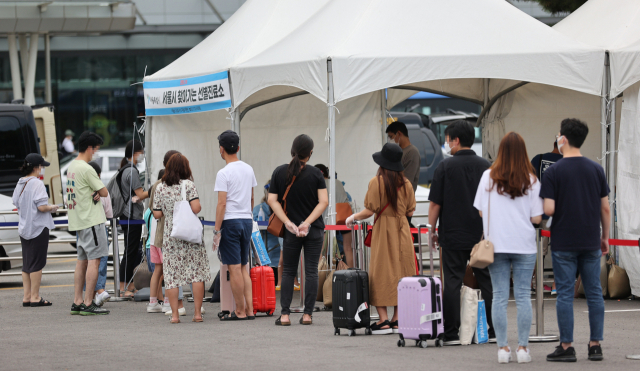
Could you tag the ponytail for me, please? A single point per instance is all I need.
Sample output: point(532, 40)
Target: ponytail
point(300, 149)
point(123, 162)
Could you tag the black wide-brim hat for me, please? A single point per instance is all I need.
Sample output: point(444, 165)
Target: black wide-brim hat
point(390, 157)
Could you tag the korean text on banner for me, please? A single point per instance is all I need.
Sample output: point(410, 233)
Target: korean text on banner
point(258, 244)
point(189, 95)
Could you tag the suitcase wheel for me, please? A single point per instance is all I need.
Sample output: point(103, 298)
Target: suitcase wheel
point(439, 343)
point(270, 313)
point(368, 331)
point(336, 331)
point(352, 332)
point(421, 343)
point(401, 343)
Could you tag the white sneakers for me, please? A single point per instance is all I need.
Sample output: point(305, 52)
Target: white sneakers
point(522, 354)
point(166, 307)
point(102, 298)
point(181, 312)
point(504, 356)
point(154, 308)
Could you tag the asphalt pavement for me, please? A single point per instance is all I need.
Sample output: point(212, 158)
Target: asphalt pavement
point(49, 338)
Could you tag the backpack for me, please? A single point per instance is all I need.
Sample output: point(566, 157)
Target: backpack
point(118, 200)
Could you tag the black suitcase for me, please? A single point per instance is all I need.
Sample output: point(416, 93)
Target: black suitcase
point(351, 301)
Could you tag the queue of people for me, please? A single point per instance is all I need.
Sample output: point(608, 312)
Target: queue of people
point(470, 200)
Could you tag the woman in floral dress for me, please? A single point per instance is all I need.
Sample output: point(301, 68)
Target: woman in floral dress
point(184, 262)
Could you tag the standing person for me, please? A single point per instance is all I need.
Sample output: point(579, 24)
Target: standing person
point(102, 296)
point(261, 213)
point(397, 133)
point(341, 197)
point(306, 201)
point(391, 197)
point(155, 256)
point(184, 262)
point(66, 147)
point(508, 201)
point(87, 219)
point(540, 164)
point(453, 190)
point(575, 193)
point(31, 199)
point(234, 223)
point(134, 194)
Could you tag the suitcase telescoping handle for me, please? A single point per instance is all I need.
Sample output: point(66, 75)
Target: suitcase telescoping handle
point(420, 227)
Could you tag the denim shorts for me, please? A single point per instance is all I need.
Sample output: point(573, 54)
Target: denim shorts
point(236, 241)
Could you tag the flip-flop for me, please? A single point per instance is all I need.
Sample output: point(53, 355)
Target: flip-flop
point(251, 317)
point(41, 303)
point(133, 293)
point(26, 303)
point(172, 322)
point(194, 319)
point(233, 317)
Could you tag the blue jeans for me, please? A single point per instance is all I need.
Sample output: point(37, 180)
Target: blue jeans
point(565, 266)
point(500, 270)
point(150, 265)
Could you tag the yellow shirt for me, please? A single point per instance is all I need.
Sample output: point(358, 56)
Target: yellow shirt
point(82, 181)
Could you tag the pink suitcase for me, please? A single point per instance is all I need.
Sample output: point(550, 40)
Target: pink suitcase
point(420, 304)
point(227, 303)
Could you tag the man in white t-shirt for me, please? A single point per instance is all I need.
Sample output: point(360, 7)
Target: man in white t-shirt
point(234, 223)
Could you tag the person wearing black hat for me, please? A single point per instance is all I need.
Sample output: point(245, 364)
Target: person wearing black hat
point(390, 196)
point(31, 199)
point(234, 223)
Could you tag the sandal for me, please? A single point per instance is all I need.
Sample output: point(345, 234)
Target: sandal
point(41, 303)
point(251, 317)
point(280, 323)
point(233, 317)
point(26, 303)
point(171, 321)
point(201, 319)
point(303, 322)
point(133, 293)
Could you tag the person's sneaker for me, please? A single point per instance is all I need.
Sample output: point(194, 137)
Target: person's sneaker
point(376, 329)
point(451, 341)
point(166, 307)
point(523, 356)
point(554, 292)
point(547, 288)
point(296, 287)
point(181, 312)
point(76, 309)
point(595, 353)
point(93, 310)
point(201, 310)
point(100, 299)
point(562, 355)
point(154, 308)
point(504, 356)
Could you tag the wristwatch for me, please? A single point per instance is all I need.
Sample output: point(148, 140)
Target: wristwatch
point(216, 232)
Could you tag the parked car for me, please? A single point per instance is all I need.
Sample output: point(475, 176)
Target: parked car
point(18, 138)
point(109, 161)
point(439, 122)
point(423, 138)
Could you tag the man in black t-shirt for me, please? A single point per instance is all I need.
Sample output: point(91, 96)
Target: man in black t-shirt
point(575, 193)
point(453, 190)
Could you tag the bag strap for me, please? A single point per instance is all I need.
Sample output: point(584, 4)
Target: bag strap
point(119, 180)
point(380, 213)
point(25, 186)
point(489, 216)
point(284, 198)
point(184, 190)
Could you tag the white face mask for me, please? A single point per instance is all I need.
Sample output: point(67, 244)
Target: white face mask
point(447, 149)
point(139, 158)
point(559, 145)
point(95, 156)
point(42, 171)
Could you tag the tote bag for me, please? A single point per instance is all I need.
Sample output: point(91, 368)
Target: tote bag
point(186, 225)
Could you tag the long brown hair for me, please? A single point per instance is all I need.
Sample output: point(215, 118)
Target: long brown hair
point(392, 182)
point(177, 169)
point(512, 171)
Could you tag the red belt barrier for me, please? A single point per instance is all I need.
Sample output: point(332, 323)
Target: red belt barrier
point(612, 241)
point(345, 228)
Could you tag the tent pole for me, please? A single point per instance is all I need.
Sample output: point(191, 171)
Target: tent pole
point(486, 91)
point(332, 160)
point(148, 150)
point(612, 170)
point(15, 67)
point(383, 111)
point(603, 113)
point(235, 126)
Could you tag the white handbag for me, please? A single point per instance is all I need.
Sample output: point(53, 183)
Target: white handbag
point(186, 225)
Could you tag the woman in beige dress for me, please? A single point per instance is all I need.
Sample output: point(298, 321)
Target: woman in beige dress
point(390, 197)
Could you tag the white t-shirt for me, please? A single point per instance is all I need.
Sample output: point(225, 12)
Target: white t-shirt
point(238, 180)
point(511, 230)
point(67, 144)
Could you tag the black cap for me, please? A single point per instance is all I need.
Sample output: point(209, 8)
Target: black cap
point(229, 140)
point(36, 159)
point(390, 157)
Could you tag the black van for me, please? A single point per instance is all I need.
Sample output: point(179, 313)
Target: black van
point(18, 138)
point(421, 136)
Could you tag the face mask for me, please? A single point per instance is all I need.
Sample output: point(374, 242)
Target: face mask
point(139, 158)
point(447, 149)
point(42, 171)
point(96, 155)
point(559, 145)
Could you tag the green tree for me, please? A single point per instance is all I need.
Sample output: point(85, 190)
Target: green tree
point(560, 6)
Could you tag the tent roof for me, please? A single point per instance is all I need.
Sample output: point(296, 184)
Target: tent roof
point(377, 44)
point(613, 25)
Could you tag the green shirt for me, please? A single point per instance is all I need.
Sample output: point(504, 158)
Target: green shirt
point(82, 181)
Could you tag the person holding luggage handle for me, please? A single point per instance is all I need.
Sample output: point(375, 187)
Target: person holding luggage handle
point(508, 201)
point(391, 197)
point(306, 200)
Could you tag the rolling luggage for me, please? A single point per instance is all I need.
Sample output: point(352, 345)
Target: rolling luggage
point(420, 305)
point(227, 304)
point(263, 287)
point(351, 301)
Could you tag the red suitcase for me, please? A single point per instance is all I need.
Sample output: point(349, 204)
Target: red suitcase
point(263, 287)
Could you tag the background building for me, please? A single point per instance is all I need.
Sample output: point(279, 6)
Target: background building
point(94, 74)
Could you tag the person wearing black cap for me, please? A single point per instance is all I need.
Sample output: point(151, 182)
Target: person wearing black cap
point(390, 196)
point(453, 190)
point(234, 223)
point(31, 199)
